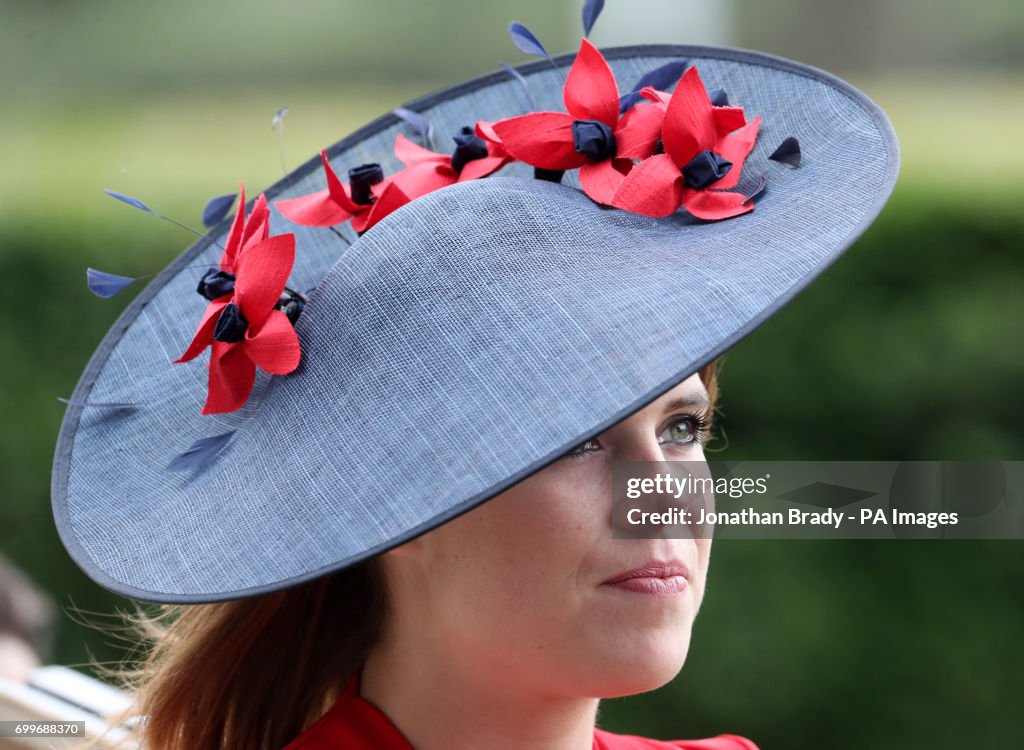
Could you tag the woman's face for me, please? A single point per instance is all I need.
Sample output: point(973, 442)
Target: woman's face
point(517, 584)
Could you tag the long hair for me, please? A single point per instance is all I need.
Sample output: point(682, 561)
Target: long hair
point(254, 673)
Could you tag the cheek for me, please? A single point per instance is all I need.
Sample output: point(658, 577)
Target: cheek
point(512, 566)
point(703, 561)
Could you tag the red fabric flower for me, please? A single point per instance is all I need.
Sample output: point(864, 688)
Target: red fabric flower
point(249, 331)
point(592, 136)
point(245, 233)
point(476, 156)
point(727, 118)
point(334, 204)
point(697, 137)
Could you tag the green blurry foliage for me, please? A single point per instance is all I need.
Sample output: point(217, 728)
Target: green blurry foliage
point(907, 348)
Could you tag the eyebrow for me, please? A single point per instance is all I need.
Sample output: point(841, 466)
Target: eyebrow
point(693, 399)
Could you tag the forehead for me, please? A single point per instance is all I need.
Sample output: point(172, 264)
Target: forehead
point(688, 394)
point(692, 389)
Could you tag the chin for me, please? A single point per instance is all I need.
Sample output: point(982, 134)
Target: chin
point(638, 667)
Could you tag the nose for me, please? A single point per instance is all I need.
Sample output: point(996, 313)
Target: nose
point(637, 461)
point(659, 488)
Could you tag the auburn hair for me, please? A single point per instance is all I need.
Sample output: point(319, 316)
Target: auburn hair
point(255, 672)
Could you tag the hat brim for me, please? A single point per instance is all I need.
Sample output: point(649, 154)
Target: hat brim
point(465, 342)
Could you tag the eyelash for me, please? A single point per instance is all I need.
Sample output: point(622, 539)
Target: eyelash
point(700, 423)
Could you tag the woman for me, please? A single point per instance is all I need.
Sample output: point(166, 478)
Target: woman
point(514, 588)
point(382, 529)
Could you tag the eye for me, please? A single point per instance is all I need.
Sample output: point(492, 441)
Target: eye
point(684, 429)
point(582, 449)
point(688, 428)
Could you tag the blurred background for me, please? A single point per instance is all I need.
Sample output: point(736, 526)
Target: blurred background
point(910, 347)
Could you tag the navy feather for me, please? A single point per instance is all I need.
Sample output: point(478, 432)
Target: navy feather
point(104, 404)
point(423, 127)
point(217, 208)
point(130, 201)
point(663, 78)
point(522, 82)
point(628, 100)
point(718, 97)
point(525, 40)
point(200, 453)
point(591, 10)
point(106, 285)
point(788, 152)
point(759, 186)
point(514, 73)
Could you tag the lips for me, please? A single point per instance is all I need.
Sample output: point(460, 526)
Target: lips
point(653, 569)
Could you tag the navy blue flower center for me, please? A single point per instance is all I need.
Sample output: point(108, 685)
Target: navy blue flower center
point(231, 325)
point(361, 180)
point(468, 147)
point(216, 283)
point(705, 168)
point(594, 139)
point(548, 175)
point(293, 308)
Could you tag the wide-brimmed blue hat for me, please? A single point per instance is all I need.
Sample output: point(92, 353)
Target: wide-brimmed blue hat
point(467, 339)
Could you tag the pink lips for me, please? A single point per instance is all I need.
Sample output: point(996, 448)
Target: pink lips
point(660, 579)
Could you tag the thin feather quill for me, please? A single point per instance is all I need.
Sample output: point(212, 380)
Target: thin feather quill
point(104, 404)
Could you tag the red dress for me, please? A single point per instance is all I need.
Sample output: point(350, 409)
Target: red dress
point(354, 723)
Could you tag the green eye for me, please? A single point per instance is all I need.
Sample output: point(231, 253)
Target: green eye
point(680, 431)
point(688, 428)
point(685, 429)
